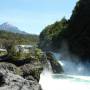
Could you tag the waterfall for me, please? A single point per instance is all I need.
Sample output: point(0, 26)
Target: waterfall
point(75, 76)
point(47, 68)
point(72, 65)
point(46, 64)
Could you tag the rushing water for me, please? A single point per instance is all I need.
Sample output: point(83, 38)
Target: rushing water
point(50, 81)
point(76, 77)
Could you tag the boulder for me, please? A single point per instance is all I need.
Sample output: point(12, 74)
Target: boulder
point(30, 71)
point(56, 67)
point(33, 70)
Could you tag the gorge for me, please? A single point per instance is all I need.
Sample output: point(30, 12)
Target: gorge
point(70, 39)
point(76, 76)
point(58, 59)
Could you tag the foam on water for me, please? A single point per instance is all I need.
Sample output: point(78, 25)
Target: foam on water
point(50, 81)
point(76, 75)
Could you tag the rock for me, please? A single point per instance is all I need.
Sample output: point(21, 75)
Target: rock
point(31, 70)
point(10, 67)
point(21, 74)
point(56, 67)
point(16, 82)
point(2, 81)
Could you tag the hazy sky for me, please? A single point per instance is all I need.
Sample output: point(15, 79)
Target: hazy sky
point(33, 15)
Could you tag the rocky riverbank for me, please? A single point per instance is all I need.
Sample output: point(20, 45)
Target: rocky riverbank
point(20, 74)
point(10, 81)
point(25, 74)
point(25, 77)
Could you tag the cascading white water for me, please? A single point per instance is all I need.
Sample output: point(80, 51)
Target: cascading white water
point(49, 81)
point(72, 65)
point(72, 79)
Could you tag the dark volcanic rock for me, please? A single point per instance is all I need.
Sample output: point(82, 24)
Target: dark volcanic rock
point(56, 67)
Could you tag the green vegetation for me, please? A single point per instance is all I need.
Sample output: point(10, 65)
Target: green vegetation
point(2, 53)
point(18, 38)
point(38, 53)
point(76, 31)
point(15, 55)
point(9, 40)
point(50, 33)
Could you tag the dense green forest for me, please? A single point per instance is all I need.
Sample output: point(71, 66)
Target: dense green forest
point(76, 31)
point(50, 32)
point(7, 37)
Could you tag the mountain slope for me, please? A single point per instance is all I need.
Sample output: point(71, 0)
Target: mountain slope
point(77, 33)
point(16, 38)
point(10, 28)
point(51, 31)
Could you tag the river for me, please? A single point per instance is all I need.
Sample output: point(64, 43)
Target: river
point(76, 76)
point(50, 81)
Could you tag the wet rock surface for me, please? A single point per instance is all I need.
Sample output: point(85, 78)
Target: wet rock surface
point(56, 67)
point(25, 74)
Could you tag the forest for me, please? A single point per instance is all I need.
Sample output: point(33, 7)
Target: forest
point(75, 31)
point(16, 38)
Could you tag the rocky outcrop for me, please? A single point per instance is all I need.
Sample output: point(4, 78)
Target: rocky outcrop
point(32, 69)
point(27, 70)
point(25, 74)
point(10, 81)
point(24, 77)
point(56, 67)
point(9, 67)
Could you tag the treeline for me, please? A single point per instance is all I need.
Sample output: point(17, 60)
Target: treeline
point(6, 37)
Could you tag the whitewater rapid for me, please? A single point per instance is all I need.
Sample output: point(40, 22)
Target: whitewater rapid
point(51, 81)
point(76, 75)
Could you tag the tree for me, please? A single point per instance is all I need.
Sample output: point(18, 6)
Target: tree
point(50, 33)
point(10, 47)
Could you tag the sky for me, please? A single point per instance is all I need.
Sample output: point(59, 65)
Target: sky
point(33, 16)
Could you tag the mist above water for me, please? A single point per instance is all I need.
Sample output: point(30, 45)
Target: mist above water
point(71, 79)
point(49, 81)
point(75, 76)
point(71, 64)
